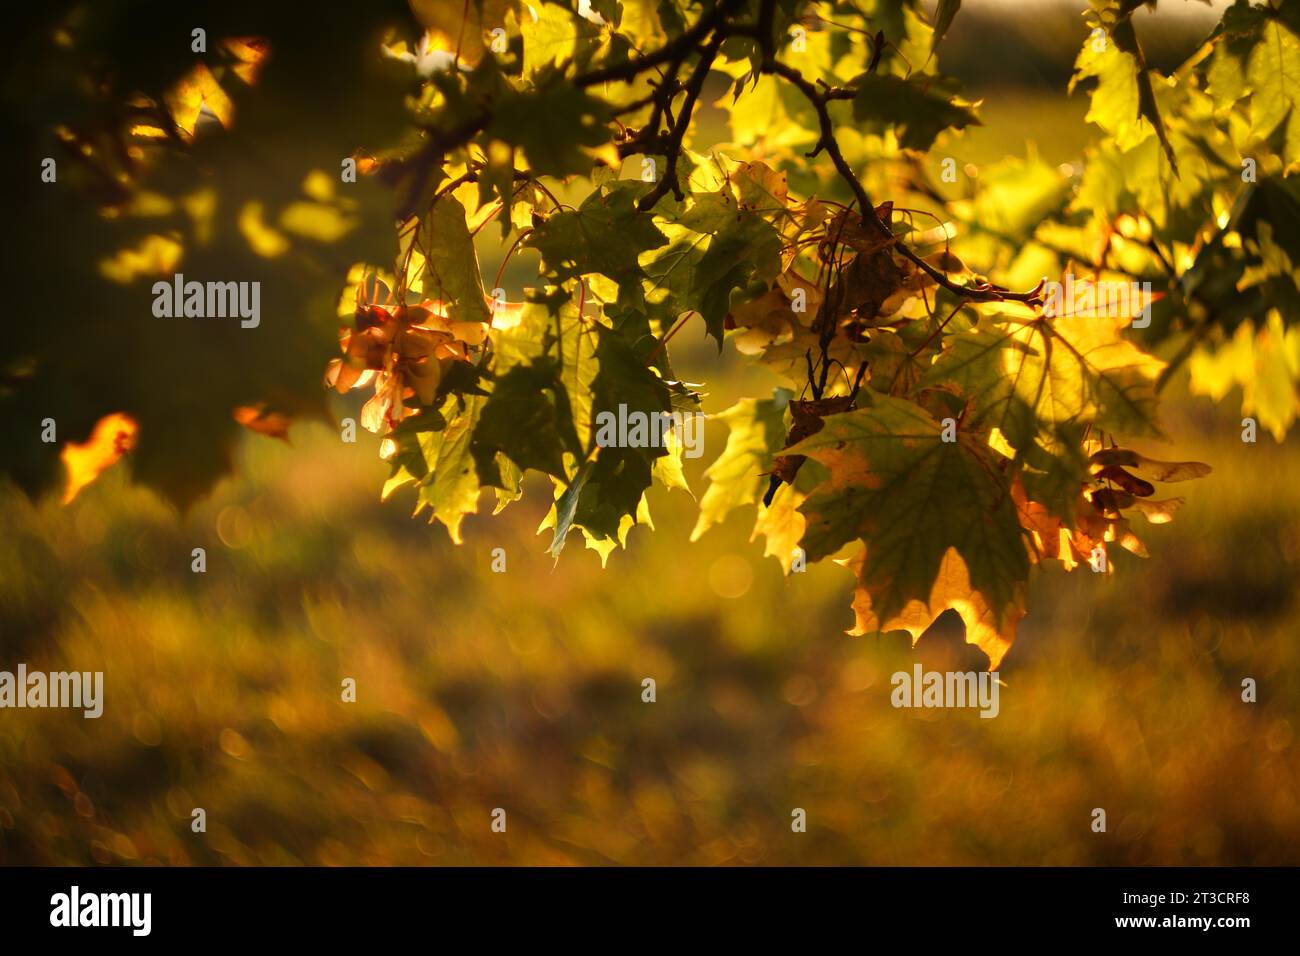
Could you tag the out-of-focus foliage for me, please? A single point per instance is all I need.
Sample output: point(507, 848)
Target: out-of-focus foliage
point(223, 166)
point(522, 690)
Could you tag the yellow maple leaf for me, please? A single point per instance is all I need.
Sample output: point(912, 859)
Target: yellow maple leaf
point(951, 590)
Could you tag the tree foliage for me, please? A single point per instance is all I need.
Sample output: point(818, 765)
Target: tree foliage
point(940, 425)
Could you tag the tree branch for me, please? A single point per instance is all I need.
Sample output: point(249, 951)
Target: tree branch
point(677, 49)
point(819, 99)
point(767, 42)
point(674, 145)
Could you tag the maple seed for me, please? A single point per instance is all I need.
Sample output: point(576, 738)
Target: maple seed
point(807, 420)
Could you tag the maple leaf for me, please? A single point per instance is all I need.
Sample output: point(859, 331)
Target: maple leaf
point(549, 324)
point(806, 418)
point(990, 629)
point(608, 489)
point(913, 497)
point(918, 112)
point(451, 270)
point(432, 450)
point(714, 247)
point(1264, 363)
point(770, 320)
point(559, 128)
point(451, 489)
point(1274, 74)
point(557, 34)
point(1124, 102)
point(737, 477)
point(606, 235)
point(1022, 375)
point(779, 519)
point(528, 418)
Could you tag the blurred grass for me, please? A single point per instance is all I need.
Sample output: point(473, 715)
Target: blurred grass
point(522, 690)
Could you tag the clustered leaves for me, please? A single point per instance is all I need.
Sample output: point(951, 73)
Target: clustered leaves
point(941, 424)
point(936, 427)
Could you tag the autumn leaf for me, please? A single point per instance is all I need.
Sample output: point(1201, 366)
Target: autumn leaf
point(1023, 375)
point(113, 436)
point(605, 235)
point(990, 629)
point(194, 94)
point(264, 421)
point(912, 497)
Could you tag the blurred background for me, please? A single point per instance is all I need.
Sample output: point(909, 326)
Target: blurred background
point(522, 690)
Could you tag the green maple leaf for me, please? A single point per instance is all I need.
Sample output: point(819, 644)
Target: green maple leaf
point(558, 127)
point(550, 325)
point(606, 491)
point(606, 235)
point(1274, 74)
point(555, 34)
point(1238, 35)
point(451, 270)
point(433, 453)
point(913, 497)
point(624, 380)
point(528, 419)
point(609, 485)
point(1023, 376)
point(1124, 102)
point(409, 463)
point(451, 490)
point(918, 113)
point(714, 247)
point(1265, 364)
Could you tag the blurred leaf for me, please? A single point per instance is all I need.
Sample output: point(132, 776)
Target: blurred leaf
point(915, 112)
point(738, 476)
point(112, 437)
